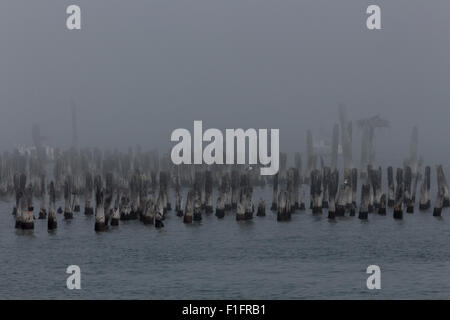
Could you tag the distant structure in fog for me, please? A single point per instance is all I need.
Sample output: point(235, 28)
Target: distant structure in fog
point(324, 148)
point(47, 151)
point(368, 149)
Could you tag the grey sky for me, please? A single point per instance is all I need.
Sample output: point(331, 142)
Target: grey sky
point(139, 69)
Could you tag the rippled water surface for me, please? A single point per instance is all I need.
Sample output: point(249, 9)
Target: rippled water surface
point(308, 257)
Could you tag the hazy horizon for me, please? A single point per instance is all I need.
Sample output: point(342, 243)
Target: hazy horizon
point(140, 69)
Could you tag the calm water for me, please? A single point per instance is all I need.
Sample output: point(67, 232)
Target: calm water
point(308, 257)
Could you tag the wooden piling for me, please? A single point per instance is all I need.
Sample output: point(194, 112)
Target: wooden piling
point(51, 221)
point(364, 206)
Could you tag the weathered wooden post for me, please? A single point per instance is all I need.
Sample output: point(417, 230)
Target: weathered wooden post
point(178, 197)
point(440, 194)
point(19, 215)
point(100, 205)
point(159, 214)
point(220, 206)
point(197, 208)
point(115, 216)
point(326, 187)
point(439, 201)
point(302, 199)
point(125, 208)
point(407, 192)
point(364, 206)
point(425, 190)
point(240, 211)
point(348, 191)
point(290, 186)
point(283, 213)
point(208, 192)
point(234, 188)
point(19, 186)
point(17, 193)
point(135, 187)
point(249, 208)
point(416, 177)
point(370, 181)
point(391, 187)
point(76, 196)
point(143, 194)
point(67, 197)
point(341, 201)
point(443, 182)
point(377, 185)
point(51, 221)
point(398, 207)
point(167, 202)
point(189, 209)
point(226, 181)
point(382, 208)
point(295, 192)
point(316, 191)
point(333, 187)
point(298, 176)
point(273, 207)
point(108, 195)
point(42, 210)
point(27, 210)
point(261, 208)
point(354, 186)
point(88, 210)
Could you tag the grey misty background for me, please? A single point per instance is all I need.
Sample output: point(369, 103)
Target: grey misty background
point(139, 69)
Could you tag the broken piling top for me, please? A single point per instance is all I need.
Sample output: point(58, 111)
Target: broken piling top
point(441, 176)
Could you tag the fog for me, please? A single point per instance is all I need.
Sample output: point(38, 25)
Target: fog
point(137, 70)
